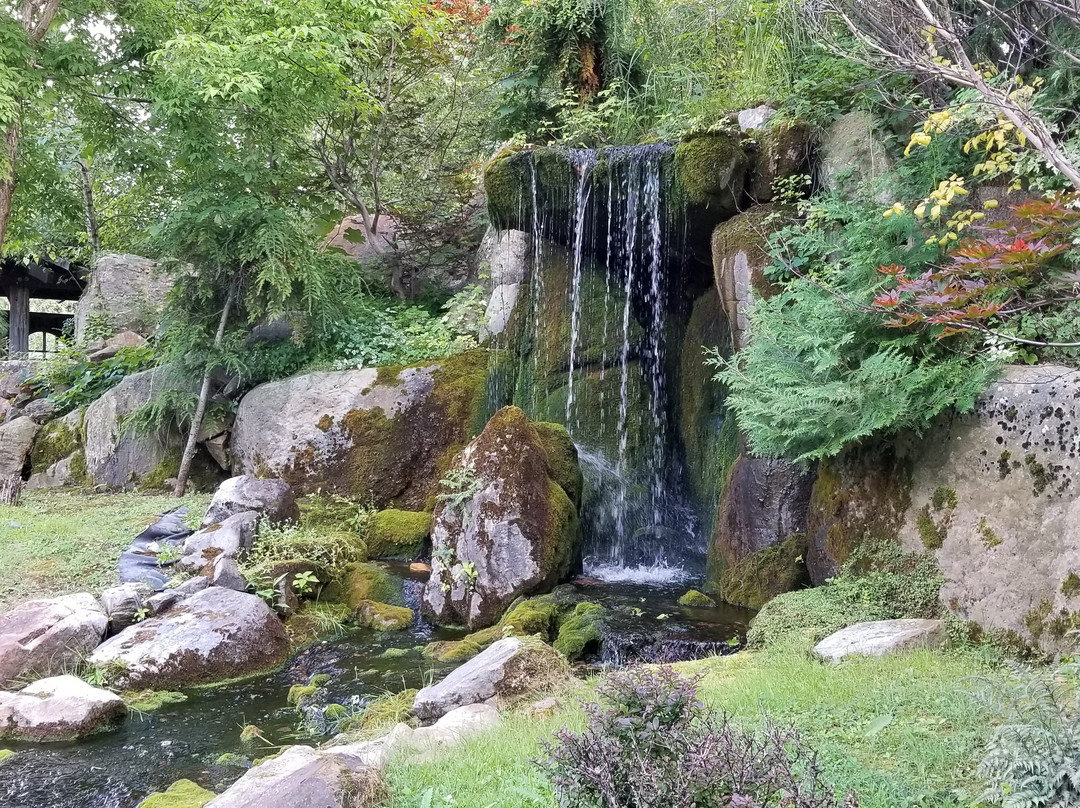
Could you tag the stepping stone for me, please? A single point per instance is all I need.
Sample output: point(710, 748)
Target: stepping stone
point(881, 637)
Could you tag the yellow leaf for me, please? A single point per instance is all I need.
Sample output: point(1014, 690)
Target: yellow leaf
point(990, 203)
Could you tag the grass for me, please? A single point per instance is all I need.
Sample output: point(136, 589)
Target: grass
point(56, 542)
point(900, 731)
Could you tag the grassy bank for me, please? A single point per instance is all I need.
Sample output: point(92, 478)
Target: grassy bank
point(899, 731)
point(57, 542)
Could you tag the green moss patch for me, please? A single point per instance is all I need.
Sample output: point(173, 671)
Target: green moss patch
point(562, 458)
point(581, 631)
point(711, 170)
point(181, 794)
point(696, 600)
point(363, 582)
point(6, 754)
point(757, 578)
point(150, 701)
point(383, 617)
point(55, 441)
point(1070, 587)
point(398, 534)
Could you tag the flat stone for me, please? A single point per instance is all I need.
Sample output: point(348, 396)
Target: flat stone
point(881, 637)
point(61, 708)
point(45, 637)
point(214, 635)
point(270, 498)
point(228, 539)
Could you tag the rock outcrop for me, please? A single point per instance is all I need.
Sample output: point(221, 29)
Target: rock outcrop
point(271, 499)
point(126, 292)
point(381, 435)
point(853, 156)
point(60, 708)
point(45, 637)
point(58, 458)
point(16, 441)
point(215, 634)
point(506, 527)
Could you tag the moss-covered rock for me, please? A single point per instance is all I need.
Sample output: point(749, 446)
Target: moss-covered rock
point(363, 582)
point(382, 616)
point(150, 701)
point(181, 794)
point(712, 170)
point(398, 534)
point(694, 599)
point(55, 441)
point(757, 578)
point(6, 754)
point(581, 631)
point(782, 151)
point(562, 459)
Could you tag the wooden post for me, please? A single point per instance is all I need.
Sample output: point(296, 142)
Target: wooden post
point(10, 489)
point(18, 320)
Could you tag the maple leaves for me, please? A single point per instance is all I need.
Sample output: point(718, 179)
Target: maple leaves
point(985, 277)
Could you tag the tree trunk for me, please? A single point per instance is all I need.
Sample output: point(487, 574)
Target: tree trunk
point(10, 490)
point(204, 397)
point(7, 186)
point(88, 202)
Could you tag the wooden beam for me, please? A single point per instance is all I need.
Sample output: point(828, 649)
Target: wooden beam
point(18, 320)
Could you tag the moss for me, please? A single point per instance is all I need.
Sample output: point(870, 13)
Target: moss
point(1040, 476)
point(363, 582)
point(382, 616)
point(325, 423)
point(757, 578)
point(335, 712)
point(181, 794)
point(398, 534)
point(989, 537)
point(231, 760)
point(804, 618)
point(251, 735)
point(205, 474)
point(6, 754)
point(933, 535)
point(562, 459)
point(582, 631)
point(149, 701)
point(1070, 587)
point(1004, 470)
point(711, 170)
point(55, 441)
point(694, 599)
point(506, 183)
point(298, 694)
point(380, 714)
point(944, 497)
point(1035, 620)
point(80, 475)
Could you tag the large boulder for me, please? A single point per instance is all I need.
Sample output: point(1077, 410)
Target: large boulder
point(992, 494)
point(215, 634)
point(57, 457)
point(16, 441)
point(272, 499)
point(507, 528)
point(740, 256)
point(853, 158)
point(46, 637)
point(60, 708)
point(881, 637)
point(303, 777)
point(507, 671)
point(229, 539)
point(504, 258)
point(380, 435)
point(126, 292)
point(116, 454)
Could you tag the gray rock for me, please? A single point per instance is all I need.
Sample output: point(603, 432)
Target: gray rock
point(504, 256)
point(163, 601)
point(755, 118)
point(272, 498)
point(881, 637)
point(192, 585)
point(853, 156)
point(116, 456)
point(62, 471)
point(505, 671)
point(14, 374)
point(16, 441)
point(127, 291)
point(113, 345)
point(45, 637)
point(60, 708)
point(232, 537)
point(499, 309)
point(227, 574)
point(215, 634)
point(40, 411)
point(303, 777)
point(125, 604)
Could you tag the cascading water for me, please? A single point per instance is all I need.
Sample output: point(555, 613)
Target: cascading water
point(593, 350)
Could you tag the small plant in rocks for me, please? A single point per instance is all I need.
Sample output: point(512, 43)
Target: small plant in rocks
point(650, 743)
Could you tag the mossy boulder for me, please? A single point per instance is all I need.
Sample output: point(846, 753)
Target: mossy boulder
point(398, 534)
point(6, 754)
point(712, 171)
point(581, 631)
point(562, 459)
point(150, 701)
point(504, 528)
point(366, 582)
point(693, 599)
point(781, 151)
point(56, 441)
point(757, 578)
point(383, 616)
point(181, 794)
point(509, 180)
point(382, 435)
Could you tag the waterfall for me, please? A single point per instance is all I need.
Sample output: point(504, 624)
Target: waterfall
point(593, 349)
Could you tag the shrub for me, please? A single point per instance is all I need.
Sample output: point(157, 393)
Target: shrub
point(1033, 756)
point(71, 380)
point(652, 744)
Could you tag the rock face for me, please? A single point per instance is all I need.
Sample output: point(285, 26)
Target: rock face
point(127, 291)
point(302, 777)
point(740, 256)
point(783, 150)
point(43, 637)
point(853, 156)
point(383, 435)
point(504, 256)
point(507, 671)
point(509, 528)
point(271, 498)
point(60, 708)
point(881, 637)
point(58, 458)
point(119, 457)
point(992, 494)
point(16, 441)
point(215, 634)
point(229, 539)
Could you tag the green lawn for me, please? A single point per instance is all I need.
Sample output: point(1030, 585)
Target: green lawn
point(900, 731)
point(57, 541)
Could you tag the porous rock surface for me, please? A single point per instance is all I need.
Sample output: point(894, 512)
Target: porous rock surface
point(128, 291)
point(45, 637)
point(273, 499)
point(59, 708)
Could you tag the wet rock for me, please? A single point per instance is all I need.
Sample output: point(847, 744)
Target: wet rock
point(215, 634)
point(696, 600)
point(16, 441)
point(379, 435)
point(45, 637)
point(508, 530)
point(230, 538)
point(302, 777)
point(272, 499)
point(125, 605)
point(126, 291)
point(881, 637)
point(60, 708)
point(383, 617)
point(507, 671)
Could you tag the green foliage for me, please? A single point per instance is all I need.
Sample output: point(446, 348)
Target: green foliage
point(277, 544)
point(71, 380)
point(458, 487)
point(1033, 754)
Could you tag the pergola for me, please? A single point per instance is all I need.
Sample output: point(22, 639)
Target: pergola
point(44, 279)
